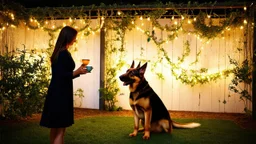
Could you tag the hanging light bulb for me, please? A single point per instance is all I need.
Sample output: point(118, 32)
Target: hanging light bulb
point(12, 15)
point(13, 26)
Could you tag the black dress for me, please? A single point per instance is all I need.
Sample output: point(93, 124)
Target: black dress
point(58, 109)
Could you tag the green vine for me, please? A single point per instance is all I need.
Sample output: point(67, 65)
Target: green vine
point(242, 81)
point(211, 31)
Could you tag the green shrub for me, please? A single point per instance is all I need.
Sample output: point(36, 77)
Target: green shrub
point(24, 78)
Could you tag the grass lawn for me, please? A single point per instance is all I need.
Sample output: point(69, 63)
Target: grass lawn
point(115, 130)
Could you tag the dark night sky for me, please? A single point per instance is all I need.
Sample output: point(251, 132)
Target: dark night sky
point(67, 3)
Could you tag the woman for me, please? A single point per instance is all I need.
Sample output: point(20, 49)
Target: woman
point(58, 107)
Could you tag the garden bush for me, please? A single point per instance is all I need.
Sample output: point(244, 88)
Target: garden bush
point(24, 78)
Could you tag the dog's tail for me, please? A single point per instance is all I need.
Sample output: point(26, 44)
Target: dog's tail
point(185, 125)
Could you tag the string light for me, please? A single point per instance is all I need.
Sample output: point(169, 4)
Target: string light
point(13, 26)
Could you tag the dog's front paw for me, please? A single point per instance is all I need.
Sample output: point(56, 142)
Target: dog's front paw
point(133, 134)
point(146, 135)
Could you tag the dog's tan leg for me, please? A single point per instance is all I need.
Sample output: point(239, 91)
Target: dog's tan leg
point(148, 114)
point(170, 126)
point(165, 124)
point(143, 124)
point(136, 125)
point(156, 127)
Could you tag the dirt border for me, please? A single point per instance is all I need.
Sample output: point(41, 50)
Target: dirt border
point(242, 120)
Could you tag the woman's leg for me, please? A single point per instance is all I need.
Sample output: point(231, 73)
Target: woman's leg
point(53, 133)
point(63, 131)
point(57, 135)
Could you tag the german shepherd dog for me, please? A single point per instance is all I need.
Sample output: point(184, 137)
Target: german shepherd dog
point(147, 107)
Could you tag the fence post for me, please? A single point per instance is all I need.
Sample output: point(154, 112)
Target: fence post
point(102, 65)
point(254, 72)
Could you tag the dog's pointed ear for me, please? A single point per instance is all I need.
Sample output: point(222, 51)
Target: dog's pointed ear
point(138, 66)
point(132, 66)
point(142, 69)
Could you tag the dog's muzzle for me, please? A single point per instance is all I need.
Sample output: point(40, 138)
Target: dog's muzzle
point(126, 80)
point(123, 78)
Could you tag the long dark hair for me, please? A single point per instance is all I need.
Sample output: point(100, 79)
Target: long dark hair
point(66, 36)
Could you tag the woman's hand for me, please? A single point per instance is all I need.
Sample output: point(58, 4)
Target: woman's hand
point(80, 70)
